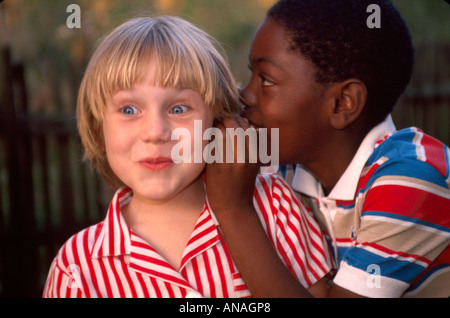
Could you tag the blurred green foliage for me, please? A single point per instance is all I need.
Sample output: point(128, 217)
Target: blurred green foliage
point(428, 20)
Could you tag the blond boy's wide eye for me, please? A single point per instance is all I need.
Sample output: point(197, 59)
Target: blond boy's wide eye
point(129, 110)
point(179, 109)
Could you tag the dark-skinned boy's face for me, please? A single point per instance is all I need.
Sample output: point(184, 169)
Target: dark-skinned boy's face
point(282, 93)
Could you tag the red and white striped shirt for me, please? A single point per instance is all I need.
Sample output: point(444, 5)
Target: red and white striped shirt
point(109, 260)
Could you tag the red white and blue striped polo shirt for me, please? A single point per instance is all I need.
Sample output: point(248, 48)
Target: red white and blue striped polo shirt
point(109, 260)
point(388, 217)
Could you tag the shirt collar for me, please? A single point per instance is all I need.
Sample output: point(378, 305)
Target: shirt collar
point(115, 238)
point(345, 188)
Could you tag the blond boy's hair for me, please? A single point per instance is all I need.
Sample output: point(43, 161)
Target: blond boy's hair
point(180, 56)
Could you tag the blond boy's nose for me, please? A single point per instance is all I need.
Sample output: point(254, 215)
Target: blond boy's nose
point(155, 129)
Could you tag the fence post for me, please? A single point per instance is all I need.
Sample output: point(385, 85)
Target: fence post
point(20, 254)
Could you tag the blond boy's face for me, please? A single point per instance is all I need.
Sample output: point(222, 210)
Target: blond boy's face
point(138, 125)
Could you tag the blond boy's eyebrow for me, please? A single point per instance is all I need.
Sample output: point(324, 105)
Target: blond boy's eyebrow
point(120, 95)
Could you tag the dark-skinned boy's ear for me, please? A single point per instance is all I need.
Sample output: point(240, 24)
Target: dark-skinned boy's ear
point(351, 96)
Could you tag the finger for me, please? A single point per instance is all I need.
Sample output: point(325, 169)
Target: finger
point(236, 122)
point(229, 144)
point(222, 144)
point(243, 122)
point(230, 122)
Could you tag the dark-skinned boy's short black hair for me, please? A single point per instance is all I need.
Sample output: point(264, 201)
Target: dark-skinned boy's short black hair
point(335, 37)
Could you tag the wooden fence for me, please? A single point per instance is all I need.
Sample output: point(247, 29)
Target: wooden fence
point(48, 194)
point(426, 102)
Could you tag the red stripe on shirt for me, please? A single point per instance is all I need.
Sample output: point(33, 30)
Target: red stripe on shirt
point(396, 253)
point(410, 202)
point(435, 153)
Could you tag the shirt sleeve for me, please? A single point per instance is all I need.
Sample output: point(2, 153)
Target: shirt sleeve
point(403, 227)
point(292, 230)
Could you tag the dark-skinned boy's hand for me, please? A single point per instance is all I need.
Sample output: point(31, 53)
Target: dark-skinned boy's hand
point(230, 186)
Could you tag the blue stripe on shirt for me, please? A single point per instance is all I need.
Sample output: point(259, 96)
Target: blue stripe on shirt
point(392, 267)
point(405, 163)
point(412, 168)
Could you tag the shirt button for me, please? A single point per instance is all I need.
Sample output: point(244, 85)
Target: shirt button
point(193, 294)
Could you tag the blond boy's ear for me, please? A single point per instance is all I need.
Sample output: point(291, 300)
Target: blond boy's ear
point(350, 99)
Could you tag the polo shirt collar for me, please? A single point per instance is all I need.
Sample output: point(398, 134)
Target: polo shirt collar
point(345, 188)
